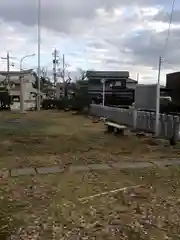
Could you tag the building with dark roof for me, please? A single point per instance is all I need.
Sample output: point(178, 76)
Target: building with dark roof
point(112, 78)
point(117, 85)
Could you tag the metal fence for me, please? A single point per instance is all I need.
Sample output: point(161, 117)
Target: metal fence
point(169, 125)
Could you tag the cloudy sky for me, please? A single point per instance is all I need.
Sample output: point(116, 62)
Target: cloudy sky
point(97, 34)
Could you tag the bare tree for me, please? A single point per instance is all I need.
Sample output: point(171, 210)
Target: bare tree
point(81, 74)
point(66, 83)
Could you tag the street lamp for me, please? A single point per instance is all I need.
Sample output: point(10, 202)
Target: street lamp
point(30, 55)
point(103, 81)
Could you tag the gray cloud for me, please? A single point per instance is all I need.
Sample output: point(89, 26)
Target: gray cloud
point(113, 61)
point(164, 16)
point(106, 43)
point(146, 47)
point(59, 15)
point(97, 45)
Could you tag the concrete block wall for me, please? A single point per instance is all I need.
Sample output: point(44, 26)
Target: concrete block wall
point(169, 125)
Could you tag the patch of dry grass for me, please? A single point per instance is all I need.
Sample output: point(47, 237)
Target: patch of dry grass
point(50, 137)
point(48, 207)
point(149, 212)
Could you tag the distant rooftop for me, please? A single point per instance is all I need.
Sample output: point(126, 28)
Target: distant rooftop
point(107, 74)
point(173, 73)
point(15, 73)
point(130, 80)
point(14, 76)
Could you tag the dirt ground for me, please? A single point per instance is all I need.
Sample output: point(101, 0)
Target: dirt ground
point(49, 137)
point(65, 206)
point(52, 206)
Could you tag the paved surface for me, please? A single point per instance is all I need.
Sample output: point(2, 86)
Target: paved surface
point(22, 172)
point(5, 173)
point(49, 170)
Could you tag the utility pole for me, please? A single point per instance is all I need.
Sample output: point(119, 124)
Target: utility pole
point(39, 56)
point(158, 97)
point(63, 74)
point(7, 58)
point(103, 81)
point(55, 63)
point(8, 65)
point(137, 77)
point(63, 70)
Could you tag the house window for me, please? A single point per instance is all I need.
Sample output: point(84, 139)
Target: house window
point(119, 83)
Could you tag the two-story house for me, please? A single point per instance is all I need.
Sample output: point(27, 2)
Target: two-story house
point(118, 86)
point(111, 78)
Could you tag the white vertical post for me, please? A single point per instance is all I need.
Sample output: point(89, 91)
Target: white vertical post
point(137, 77)
point(22, 84)
point(21, 94)
point(39, 54)
point(158, 98)
point(103, 81)
point(103, 94)
point(134, 118)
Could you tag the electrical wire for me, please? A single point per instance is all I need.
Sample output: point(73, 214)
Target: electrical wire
point(169, 30)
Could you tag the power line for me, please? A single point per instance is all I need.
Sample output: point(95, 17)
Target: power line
point(7, 58)
point(159, 71)
point(169, 29)
point(55, 63)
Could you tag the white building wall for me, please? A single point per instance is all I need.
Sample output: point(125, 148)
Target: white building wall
point(14, 89)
